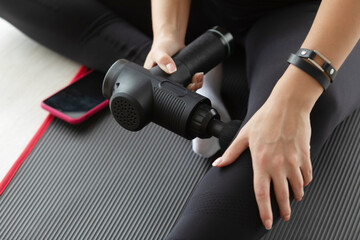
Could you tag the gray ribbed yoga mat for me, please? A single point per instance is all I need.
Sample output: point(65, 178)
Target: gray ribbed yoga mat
point(99, 181)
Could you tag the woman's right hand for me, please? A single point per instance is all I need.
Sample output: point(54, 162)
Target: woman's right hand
point(160, 54)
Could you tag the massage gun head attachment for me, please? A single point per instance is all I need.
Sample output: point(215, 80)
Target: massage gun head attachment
point(128, 87)
point(138, 96)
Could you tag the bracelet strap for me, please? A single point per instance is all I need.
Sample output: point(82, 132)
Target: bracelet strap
point(309, 69)
point(326, 67)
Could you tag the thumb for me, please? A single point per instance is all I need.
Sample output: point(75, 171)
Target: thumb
point(233, 151)
point(165, 62)
point(149, 62)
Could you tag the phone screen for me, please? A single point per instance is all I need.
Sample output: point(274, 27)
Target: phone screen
point(80, 97)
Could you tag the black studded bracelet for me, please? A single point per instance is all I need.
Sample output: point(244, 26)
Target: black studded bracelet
point(319, 73)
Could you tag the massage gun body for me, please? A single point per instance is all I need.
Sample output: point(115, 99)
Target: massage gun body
point(138, 96)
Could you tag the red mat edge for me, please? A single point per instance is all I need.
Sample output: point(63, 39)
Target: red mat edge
point(15, 167)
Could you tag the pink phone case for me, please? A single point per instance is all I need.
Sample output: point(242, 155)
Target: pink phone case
point(68, 119)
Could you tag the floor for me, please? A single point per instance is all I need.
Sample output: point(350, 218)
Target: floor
point(28, 74)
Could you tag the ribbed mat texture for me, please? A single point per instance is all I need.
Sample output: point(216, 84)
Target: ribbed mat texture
point(98, 181)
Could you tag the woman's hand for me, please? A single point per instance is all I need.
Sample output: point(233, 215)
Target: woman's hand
point(169, 22)
point(278, 136)
point(160, 54)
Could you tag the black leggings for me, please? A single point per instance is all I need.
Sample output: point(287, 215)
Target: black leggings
point(93, 33)
point(223, 205)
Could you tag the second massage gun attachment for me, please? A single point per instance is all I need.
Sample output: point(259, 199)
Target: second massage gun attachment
point(138, 96)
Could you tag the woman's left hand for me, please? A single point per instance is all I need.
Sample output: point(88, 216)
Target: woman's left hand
point(278, 136)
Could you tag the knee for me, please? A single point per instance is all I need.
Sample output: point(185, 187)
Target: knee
point(327, 113)
point(329, 108)
point(216, 216)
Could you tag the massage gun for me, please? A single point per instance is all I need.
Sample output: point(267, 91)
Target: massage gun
point(139, 96)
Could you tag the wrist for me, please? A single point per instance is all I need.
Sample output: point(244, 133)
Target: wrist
point(168, 32)
point(297, 89)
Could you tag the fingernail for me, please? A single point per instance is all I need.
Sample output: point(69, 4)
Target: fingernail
point(268, 224)
point(217, 162)
point(287, 218)
point(171, 67)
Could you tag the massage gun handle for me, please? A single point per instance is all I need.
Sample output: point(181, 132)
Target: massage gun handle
point(201, 55)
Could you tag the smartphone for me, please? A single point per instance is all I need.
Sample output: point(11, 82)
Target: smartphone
point(79, 100)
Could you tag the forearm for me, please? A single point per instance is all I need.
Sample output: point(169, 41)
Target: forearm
point(336, 30)
point(170, 18)
point(334, 33)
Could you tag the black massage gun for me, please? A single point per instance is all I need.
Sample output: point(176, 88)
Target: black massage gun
point(138, 96)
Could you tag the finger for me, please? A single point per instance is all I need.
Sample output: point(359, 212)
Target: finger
point(306, 171)
point(281, 189)
point(233, 151)
point(296, 182)
point(198, 77)
point(197, 81)
point(165, 62)
point(192, 86)
point(149, 62)
point(262, 195)
point(307, 175)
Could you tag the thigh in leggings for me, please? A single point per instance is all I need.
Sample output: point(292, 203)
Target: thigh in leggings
point(83, 30)
point(223, 205)
point(93, 32)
